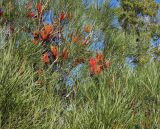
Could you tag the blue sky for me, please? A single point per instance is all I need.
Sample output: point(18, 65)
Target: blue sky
point(115, 3)
point(158, 1)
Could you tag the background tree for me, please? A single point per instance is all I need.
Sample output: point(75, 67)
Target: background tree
point(138, 17)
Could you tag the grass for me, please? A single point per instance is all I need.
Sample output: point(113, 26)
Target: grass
point(117, 99)
point(121, 99)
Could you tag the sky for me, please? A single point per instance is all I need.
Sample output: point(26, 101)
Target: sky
point(158, 1)
point(113, 3)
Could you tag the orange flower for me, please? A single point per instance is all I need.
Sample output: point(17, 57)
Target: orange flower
point(87, 28)
point(107, 64)
point(54, 51)
point(48, 29)
point(35, 42)
point(75, 39)
point(45, 58)
point(44, 35)
point(65, 54)
point(99, 57)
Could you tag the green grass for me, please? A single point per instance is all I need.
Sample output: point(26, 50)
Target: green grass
point(122, 99)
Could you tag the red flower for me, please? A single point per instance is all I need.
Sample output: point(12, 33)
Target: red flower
point(61, 16)
point(95, 68)
point(65, 54)
point(48, 29)
point(99, 69)
point(45, 58)
point(44, 35)
point(93, 65)
point(30, 15)
point(79, 61)
point(99, 57)
point(54, 51)
point(39, 8)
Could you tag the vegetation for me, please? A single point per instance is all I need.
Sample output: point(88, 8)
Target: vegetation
point(33, 96)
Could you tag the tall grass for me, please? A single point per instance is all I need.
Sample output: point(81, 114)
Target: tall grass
point(122, 99)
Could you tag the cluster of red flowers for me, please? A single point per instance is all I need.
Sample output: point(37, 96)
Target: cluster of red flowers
point(38, 8)
point(57, 36)
point(98, 64)
point(49, 34)
point(46, 34)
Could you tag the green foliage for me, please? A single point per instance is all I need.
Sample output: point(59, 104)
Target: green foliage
point(131, 17)
point(120, 99)
point(130, 10)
